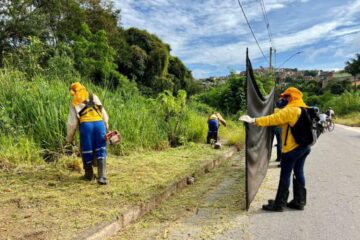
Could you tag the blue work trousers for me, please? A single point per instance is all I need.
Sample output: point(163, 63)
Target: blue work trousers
point(213, 125)
point(92, 140)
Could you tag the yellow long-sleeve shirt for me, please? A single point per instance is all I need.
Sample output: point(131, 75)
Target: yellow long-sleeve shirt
point(282, 118)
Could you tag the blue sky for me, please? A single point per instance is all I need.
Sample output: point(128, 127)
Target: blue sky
point(211, 36)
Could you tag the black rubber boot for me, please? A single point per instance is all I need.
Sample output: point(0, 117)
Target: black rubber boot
point(102, 171)
point(299, 200)
point(279, 203)
point(89, 173)
point(208, 139)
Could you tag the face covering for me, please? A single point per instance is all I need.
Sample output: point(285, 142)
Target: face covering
point(282, 102)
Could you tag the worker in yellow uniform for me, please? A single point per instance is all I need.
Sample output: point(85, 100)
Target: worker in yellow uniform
point(293, 155)
point(214, 121)
point(87, 111)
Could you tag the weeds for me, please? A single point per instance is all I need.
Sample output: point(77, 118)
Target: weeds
point(37, 110)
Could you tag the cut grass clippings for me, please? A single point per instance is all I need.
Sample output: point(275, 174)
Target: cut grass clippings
point(50, 202)
point(162, 222)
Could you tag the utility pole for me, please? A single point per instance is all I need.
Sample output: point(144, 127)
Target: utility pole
point(270, 61)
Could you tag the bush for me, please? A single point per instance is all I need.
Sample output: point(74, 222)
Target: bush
point(18, 150)
point(229, 97)
point(344, 104)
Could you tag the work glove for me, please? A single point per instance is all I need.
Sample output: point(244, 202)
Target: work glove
point(247, 118)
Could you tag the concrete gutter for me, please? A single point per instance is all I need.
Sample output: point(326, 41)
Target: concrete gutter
point(134, 213)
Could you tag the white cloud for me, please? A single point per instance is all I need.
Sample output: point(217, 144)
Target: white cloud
point(312, 53)
point(214, 32)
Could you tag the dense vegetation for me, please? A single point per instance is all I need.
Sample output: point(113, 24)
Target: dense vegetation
point(84, 38)
point(151, 97)
point(47, 45)
point(353, 65)
point(341, 95)
point(230, 96)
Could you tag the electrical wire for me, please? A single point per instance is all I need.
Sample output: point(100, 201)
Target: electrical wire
point(242, 9)
point(266, 20)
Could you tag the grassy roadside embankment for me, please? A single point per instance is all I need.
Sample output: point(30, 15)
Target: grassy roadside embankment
point(352, 119)
point(41, 200)
point(204, 211)
point(49, 201)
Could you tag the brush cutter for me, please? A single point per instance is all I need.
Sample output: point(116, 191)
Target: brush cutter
point(113, 137)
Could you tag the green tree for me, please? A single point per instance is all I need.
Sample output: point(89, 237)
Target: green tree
point(94, 57)
point(138, 63)
point(339, 87)
point(311, 73)
point(18, 21)
point(353, 66)
point(27, 58)
point(102, 15)
point(311, 87)
point(229, 97)
point(265, 82)
point(157, 55)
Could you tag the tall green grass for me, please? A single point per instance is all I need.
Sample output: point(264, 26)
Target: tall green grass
point(37, 110)
point(18, 150)
point(346, 103)
point(343, 104)
point(352, 119)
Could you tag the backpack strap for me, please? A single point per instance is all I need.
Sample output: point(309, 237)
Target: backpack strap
point(287, 129)
point(287, 133)
point(90, 104)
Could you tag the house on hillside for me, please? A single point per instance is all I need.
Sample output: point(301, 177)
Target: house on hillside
point(308, 78)
point(284, 73)
point(325, 78)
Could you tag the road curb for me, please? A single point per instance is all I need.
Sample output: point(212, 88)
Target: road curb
point(134, 213)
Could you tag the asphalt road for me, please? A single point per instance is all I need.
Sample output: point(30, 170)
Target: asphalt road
point(332, 173)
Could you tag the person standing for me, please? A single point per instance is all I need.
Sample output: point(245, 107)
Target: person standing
point(87, 113)
point(214, 121)
point(293, 154)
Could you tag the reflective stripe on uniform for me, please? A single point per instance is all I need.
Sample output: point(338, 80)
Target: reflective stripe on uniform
point(87, 152)
point(99, 149)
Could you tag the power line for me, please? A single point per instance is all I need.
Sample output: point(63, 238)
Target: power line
point(266, 20)
point(242, 9)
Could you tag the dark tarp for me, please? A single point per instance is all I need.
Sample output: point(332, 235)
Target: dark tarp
point(258, 139)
